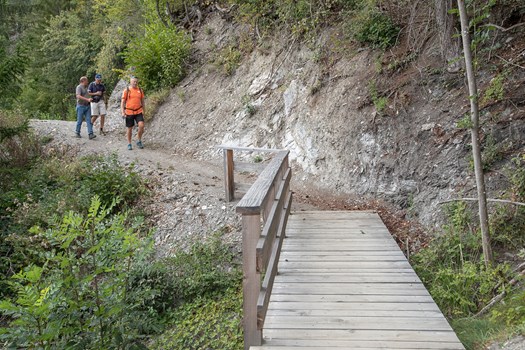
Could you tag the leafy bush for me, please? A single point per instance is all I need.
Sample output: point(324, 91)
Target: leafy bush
point(159, 56)
point(376, 29)
point(154, 100)
point(495, 90)
point(41, 193)
point(17, 146)
point(207, 269)
point(507, 222)
point(463, 291)
point(453, 271)
point(206, 323)
point(517, 177)
point(229, 59)
point(77, 299)
point(511, 311)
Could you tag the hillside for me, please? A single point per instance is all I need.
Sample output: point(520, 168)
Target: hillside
point(318, 101)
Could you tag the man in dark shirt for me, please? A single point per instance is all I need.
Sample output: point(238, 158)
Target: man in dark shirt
point(98, 106)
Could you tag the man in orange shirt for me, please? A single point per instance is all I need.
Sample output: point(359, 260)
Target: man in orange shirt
point(132, 108)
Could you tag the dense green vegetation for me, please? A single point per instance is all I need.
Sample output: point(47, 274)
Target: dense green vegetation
point(77, 267)
point(455, 274)
point(47, 45)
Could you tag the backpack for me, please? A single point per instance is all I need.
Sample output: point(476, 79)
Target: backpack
point(127, 97)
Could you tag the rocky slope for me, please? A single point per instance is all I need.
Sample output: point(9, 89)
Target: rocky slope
point(318, 106)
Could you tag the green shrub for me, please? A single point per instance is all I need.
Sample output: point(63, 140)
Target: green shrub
point(206, 323)
point(228, 59)
point(207, 269)
point(154, 100)
point(511, 312)
point(380, 102)
point(41, 193)
point(77, 299)
point(376, 29)
point(452, 269)
point(158, 58)
point(473, 332)
point(463, 291)
point(516, 176)
point(495, 90)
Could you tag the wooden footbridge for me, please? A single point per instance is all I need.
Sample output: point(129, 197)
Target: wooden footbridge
point(325, 279)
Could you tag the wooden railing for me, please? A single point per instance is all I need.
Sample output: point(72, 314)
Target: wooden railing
point(265, 208)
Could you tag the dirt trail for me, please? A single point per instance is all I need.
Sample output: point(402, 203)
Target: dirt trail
point(188, 202)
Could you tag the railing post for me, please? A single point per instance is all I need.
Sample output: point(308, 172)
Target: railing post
point(228, 174)
point(251, 230)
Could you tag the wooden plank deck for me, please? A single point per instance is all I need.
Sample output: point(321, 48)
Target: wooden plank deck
point(343, 283)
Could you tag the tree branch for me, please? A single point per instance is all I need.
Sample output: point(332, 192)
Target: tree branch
point(509, 62)
point(488, 200)
point(500, 296)
point(503, 29)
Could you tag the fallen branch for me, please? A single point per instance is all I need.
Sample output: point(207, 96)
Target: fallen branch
point(500, 296)
point(509, 62)
point(488, 200)
point(503, 29)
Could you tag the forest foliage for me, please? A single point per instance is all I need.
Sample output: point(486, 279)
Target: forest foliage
point(66, 282)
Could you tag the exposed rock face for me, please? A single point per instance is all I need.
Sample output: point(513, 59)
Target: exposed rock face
point(414, 156)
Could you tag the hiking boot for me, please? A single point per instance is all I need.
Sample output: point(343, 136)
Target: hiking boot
point(129, 147)
point(92, 136)
point(77, 135)
point(139, 145)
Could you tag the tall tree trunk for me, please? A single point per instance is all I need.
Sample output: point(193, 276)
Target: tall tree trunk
point(446, 28)
point(476, 152)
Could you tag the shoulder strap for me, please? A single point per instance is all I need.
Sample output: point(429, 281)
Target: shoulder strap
point(127, 96)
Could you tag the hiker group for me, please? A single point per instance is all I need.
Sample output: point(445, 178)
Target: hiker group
point(92, 102)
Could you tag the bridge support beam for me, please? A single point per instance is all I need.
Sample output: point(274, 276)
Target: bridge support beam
point(251, 283)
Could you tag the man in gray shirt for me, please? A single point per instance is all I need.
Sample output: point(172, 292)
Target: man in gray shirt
point(83, 107)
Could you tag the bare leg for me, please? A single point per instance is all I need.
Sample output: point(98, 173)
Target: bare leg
point(128, 135)
point(141, 130)
point(102, 120)
point(94, 119)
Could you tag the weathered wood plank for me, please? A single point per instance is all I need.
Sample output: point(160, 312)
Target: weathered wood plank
point(343, 257)
point(264, 296)
point(248, 149)
point(348, 307)
point(362, 278)
point(343, 254)
point(257, 195)
point(274, 335)
point(347, 285)
point(351, 298)
point(275, 220)
point(334, 271)
point(355, 323)
point(312, 265)
point(389, 315)
point(251, 279)
point(404, 289)
point(229, 175)
point(350, 344)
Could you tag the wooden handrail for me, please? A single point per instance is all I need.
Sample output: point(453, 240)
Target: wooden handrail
point(265, 208)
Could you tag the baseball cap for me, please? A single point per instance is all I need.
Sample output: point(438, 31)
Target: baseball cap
point(98, 76)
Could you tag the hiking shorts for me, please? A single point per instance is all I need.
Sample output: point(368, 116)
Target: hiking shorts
point(132, 119)
point(98, 108)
